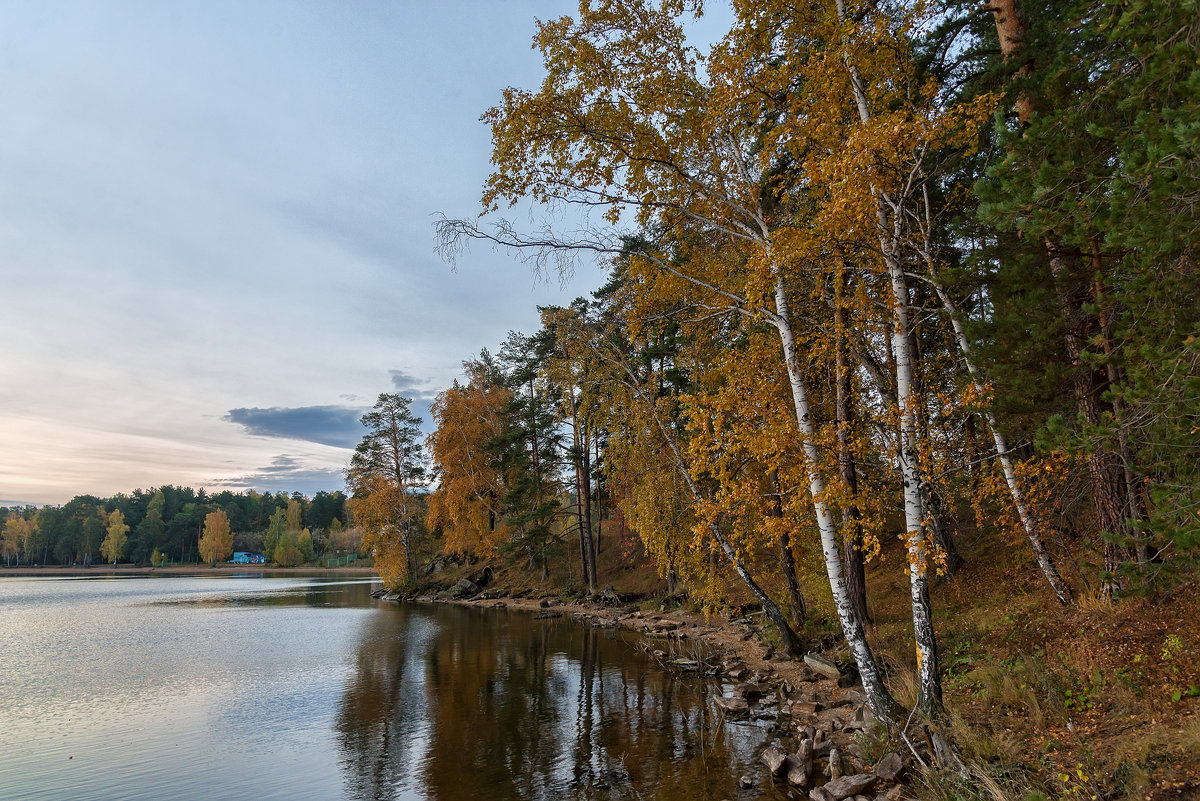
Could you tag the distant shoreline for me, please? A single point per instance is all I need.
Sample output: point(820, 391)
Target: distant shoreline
point(180, 570)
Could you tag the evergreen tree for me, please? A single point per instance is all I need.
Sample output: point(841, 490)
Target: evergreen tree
point(385, 473)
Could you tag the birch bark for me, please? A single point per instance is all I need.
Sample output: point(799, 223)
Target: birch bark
point(1003, 454)
point(929, 690)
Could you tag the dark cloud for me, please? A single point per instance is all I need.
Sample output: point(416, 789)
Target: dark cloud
point(411, 387)
point(16, 504)
point(338, 426)
point(286, 474)
point(419, 391)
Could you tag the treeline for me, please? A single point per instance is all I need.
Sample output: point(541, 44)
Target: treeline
point(165, 525)
point(895, 271)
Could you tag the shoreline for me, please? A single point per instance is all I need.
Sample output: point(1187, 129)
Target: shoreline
point(815, 710)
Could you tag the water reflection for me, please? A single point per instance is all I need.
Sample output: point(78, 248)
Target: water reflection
point(451, 703)
point(127, 689)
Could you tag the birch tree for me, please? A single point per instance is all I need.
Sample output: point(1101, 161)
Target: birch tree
point(216, 543)
point(624, 124)
point(113, 546)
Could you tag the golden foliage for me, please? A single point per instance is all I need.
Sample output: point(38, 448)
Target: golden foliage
point(216, 543)
point(466, 503)
point(114, 542)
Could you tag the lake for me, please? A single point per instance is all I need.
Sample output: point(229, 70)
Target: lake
point(255, 687)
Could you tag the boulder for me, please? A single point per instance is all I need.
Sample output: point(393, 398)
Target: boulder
point(890, 767)
point(847, 697)
point(822, 665)
point(751, 691)
point(775, 760)
point(806, 707)
point(803, 764)
point(732, 706)
point(848, 786)
point(862, 720)
point(835, 764)
point(798, 774)
point(465, 588)
point(482, 578)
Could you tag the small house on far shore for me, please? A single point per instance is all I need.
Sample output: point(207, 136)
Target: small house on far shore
point(247, 558)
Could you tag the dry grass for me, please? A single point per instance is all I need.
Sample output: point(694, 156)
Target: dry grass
point(1096, 692)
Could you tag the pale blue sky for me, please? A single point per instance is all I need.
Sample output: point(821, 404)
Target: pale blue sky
point(216, 243)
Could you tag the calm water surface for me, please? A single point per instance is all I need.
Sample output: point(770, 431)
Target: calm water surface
point(297, 688)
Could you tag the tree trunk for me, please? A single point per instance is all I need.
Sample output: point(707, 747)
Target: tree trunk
point(599, 509)
point(929, 683)
point(852, 534)
point(883, 706)
point(787, 558)
point(581, 455)
point(1044, 560)
point(1135, 501)
point(1104, 468)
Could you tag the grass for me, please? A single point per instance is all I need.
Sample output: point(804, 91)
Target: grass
point(1094, 700)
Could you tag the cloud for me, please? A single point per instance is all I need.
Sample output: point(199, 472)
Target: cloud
point(286, 474)
point(16, 504)
point(338, 426)
point(411, 387)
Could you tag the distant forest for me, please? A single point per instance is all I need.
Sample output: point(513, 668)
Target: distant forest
point(165, 525)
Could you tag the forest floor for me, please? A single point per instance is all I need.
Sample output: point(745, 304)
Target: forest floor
point(1089, 701)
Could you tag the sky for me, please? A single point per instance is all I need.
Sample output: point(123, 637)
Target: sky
point(216, 232)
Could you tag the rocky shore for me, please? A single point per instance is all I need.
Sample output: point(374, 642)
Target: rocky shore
point(820, 738)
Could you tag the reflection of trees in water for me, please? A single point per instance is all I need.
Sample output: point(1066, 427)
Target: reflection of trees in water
point(498, 712)
point(644, 732)
point(379, 720)
point(502, 706)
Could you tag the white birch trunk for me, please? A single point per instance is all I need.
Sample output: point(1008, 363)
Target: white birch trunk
point(1045, 562)
point(880, 700)
point(928, 675)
